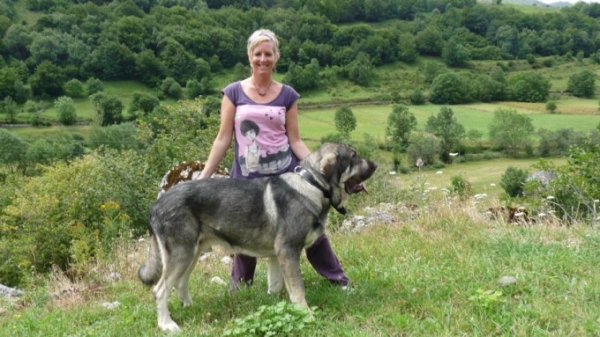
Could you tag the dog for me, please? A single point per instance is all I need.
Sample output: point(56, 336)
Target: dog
point(274, 217)
point(184, 171)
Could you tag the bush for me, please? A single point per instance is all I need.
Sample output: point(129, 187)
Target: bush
point(512, 181)
point(93, 85)
point(74, 88)
point(59, 218)
point(282, 319)
point(461, 187)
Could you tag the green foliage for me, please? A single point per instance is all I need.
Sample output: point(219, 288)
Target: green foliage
point(583, 84)
point(119, 137)
point(67, 113)
point(74, 88)
point(8, 106)
point(551, 107)
point(360, 71)
point(143, 103)
point(401, 122)
point(510, 131)
point(171, 88)
point(417, 97)
point(13, 149)
point(177, 133)
point(576, 189)
point(487, 298)
point(528, 87)
point(448, 88)
point(109, 109)
point(513, 180)
point(62, 145)
point(423, 145)
point(303, 78)
point(93, 86)
point(211, 105)
point(53, 216)
point(461, 187)
point(282, 319)
point(345, 122)
point(557, 143)
point(47, 79)
point(455, 54)
point(448, 130)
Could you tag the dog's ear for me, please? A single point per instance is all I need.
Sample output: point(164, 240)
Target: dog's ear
point(328, 164)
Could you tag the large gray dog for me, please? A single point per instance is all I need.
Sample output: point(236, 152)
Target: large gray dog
point(274, 217)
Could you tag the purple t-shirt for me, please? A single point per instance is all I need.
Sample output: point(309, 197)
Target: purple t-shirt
point(262, 147)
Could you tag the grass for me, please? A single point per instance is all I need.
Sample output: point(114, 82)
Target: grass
point(484, 176)
point(372, 119)
point(421, 275)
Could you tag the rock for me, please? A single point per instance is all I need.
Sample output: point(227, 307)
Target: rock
point(8, 291)
point(507, 280)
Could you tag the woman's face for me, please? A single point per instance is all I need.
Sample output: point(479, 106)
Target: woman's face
point(263, 58)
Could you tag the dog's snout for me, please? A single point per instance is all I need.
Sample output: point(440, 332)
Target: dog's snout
point(372, 165)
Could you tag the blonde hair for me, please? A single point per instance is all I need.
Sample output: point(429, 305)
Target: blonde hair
point(261, 36)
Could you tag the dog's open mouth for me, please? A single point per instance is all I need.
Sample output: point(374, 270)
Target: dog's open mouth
point(355, 185)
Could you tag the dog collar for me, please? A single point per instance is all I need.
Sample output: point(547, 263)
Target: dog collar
point(311, 179)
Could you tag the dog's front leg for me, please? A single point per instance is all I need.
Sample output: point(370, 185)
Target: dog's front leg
point(289, 261)
point(274, 276)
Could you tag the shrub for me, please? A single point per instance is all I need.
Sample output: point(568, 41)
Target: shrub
point(54, 216)
point(93, 85)
point(417, 97)
point(512, 181)
point(461, 187)
point(67, 113)
point(74, 88)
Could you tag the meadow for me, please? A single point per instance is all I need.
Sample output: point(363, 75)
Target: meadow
point(430, 271)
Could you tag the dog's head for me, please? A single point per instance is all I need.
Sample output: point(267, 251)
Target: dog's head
point(340, 170)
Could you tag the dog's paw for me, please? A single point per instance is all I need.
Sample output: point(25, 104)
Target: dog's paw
point(169, 326)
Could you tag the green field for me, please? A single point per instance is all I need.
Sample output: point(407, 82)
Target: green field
point(372, 119)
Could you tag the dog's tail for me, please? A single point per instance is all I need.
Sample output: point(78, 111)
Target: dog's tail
point(149, 273)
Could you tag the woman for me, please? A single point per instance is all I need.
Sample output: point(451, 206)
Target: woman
point(263, 114)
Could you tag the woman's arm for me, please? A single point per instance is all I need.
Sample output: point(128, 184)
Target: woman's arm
point(293, 132)
point(223, 139)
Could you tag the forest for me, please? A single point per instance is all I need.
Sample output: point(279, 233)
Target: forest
point(51, 48)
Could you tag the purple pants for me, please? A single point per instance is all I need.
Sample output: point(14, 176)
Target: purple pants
point(320, 255)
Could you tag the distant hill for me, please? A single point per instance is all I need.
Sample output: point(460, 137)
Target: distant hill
point(536, 2)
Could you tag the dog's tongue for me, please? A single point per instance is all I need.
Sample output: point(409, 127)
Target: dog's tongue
point(360, 188)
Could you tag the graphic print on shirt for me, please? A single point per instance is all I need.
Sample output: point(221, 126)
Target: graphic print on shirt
point(263, 145)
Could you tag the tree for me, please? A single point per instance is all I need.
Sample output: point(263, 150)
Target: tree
point(148, 68)
point(74, 88)
point(423, 145)
point(108, 108)
point(93, 85)
point(360, 70)
point(9, 107)
point(582, 84)
point(512, 181)
point(455, 54)
point(67, 113)
point(447, 128)
point(345, 122)
point(400, 123)
point(47, 79)
point(529, 87)
point(143, 103)
point(429, 41)
point(551, 107)
point(448, 88)
point(510, 131)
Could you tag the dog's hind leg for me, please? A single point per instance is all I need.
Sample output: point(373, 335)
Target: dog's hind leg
point(182, 287)
point(274, 276)
point(175, 267)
